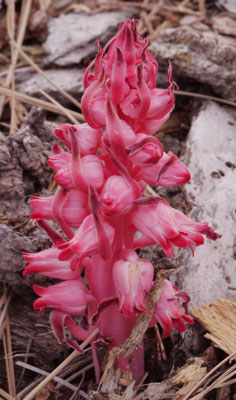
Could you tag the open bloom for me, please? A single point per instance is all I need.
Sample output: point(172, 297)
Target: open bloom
point(88, 137)
point(46, 262)
point(168, 311)
point(117, 196)
point(73, 207)
point(133, 279)
point(70, 296)
point(86, 240)
point(162, 224)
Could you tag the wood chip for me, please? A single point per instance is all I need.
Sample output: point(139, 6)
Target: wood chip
point(219, 320)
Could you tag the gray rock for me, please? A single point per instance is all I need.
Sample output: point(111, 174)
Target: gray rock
point(71, 80)
point(229, 5)
point(210, 157)
point(72, 37)
point(201, 55)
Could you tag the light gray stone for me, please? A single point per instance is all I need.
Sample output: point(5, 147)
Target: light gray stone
point(229, 5)
point(211, 158)
point(201, 55)
point(71, 80)
point(72, 37)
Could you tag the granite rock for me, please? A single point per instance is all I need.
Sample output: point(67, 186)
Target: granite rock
point(210, 157)
point(72, 37)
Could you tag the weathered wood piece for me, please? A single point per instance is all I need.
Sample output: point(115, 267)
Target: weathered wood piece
point(201, 55)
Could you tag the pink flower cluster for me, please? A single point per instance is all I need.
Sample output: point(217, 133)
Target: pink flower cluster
point(99, 205)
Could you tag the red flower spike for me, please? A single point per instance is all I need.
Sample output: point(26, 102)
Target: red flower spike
point(99, 205)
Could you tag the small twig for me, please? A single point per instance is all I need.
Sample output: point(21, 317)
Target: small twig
point(25, 360)
point(42, 73)
point(25, 11)
point(67, 113)
point(56, 371)
point(6, 395)
point(204, 96)
point(76, 374)
point(44, 373)
point(40, 103)
point(9, 361)
point(11, 33)
point(198, 385)
point(160, 347)
point(150, 191)
point(3, 312)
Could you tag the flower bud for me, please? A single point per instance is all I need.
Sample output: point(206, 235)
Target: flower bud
point(117, 196)
point(145, 151)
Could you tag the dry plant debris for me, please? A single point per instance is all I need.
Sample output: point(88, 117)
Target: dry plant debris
point(219, 320)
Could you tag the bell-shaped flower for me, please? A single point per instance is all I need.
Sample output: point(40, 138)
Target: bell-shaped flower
point(168, 311)
point(70, 296)
point(168, 171)
point(86, 240)
point(88, 137)
point(73, 210)
point(81, 173)
point(117, 196)
point(145, 151)
point(164, 225)
point(46, 262)
point(59, 159)
point(133, 279)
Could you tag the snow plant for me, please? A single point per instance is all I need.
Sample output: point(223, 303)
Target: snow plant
point(99, 205)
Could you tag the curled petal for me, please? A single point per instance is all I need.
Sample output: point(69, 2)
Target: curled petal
point(168, 311)
point(57, 320)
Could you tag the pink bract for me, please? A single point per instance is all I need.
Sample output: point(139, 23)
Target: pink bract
point(101, 210)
